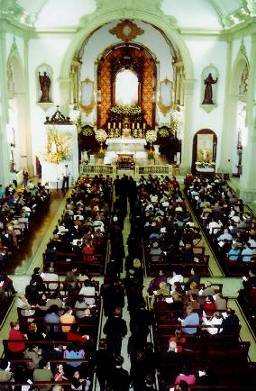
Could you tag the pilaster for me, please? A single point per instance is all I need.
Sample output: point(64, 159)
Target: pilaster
point(27, 111)
point(228, 117)
point(64, 93)
point(186, 154)
point(248, 177)
point(4, 149)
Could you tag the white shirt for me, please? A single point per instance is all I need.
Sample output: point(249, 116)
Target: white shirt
point(213, 322)
point(47, 277)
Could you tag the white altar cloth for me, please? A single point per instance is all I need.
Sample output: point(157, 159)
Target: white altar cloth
point(125, 145)
point(126, 140)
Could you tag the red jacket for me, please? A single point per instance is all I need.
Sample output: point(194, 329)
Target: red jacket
point(16, 347)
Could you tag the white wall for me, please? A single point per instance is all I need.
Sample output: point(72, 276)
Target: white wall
point(205, 52)
point(50, 51)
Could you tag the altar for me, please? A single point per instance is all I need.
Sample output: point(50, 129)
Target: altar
point(126, 145)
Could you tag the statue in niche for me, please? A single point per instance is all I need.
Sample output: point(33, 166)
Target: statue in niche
point(45, 83)
point(208, 95)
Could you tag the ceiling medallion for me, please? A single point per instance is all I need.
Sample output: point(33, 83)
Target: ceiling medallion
point(126, 30)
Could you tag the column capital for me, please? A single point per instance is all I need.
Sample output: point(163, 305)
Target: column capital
point(189, 86)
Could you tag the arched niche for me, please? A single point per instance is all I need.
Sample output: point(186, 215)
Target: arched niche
point(17, 137)
point(44, 69)
point(142, 64)
point(204, 151)
point(209, 87)
point(127, 80)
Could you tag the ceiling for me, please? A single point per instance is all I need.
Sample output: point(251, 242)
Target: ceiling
point(215, 14)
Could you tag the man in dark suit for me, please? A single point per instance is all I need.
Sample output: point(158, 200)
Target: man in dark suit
point(119, 379)
point(115, 329)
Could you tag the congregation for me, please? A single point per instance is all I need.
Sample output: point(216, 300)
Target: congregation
point(177, 325)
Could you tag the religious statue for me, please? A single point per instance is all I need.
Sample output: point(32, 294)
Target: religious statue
point(45, 83)
point(209, 81)
point(126, 131)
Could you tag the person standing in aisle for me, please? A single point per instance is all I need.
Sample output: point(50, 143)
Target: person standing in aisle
point(115, 329)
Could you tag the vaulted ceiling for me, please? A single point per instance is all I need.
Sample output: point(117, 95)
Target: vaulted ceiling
point(217, 14)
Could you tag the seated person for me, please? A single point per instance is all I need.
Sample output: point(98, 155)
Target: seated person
point(191, 319)
point(247, 253)
point(234, 253)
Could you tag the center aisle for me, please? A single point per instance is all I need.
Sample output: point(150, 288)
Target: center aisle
point(125, 312)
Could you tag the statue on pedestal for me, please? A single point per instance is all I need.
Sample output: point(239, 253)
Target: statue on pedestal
point(45, 83)
point(208, 95)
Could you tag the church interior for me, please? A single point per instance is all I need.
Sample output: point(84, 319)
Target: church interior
point(127, 195)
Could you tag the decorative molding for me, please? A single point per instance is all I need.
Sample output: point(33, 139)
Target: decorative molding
point(88, 108)
point(45, 105)
point(208, 108)
point(126, 30)
point(163, 107)
point(58, 119)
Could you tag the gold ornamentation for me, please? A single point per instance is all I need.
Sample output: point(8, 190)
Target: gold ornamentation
point(87, 103)
point(126, 30)
point(58, 147)
point(165, 85)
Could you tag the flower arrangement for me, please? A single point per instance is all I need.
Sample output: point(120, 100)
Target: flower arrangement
point(163, 132)
point(176, 120)
point(126, 110)
point(151, 136)
point(58, 147)
point(87, 130)
point(101, 135)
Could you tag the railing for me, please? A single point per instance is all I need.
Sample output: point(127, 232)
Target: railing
point(154, 170)
point(138, 170)
point(97, 169)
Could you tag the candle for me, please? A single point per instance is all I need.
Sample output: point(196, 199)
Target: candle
point(133, 125)
point(114, 125)
point(144, 125)
point(108, 125)
point(120, 125)
point(138, 125)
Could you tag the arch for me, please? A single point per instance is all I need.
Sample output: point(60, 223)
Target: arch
point(160, 22)
point(17, 129)
point(210, 148)
point(240, 62)
point(116, 58)
point(14, 61)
